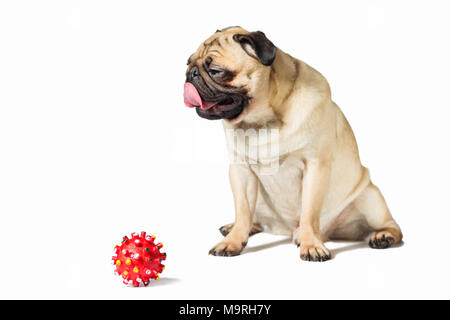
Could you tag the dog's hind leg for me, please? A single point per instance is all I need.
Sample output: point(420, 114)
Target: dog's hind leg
point(256, 228)
point(373, 207)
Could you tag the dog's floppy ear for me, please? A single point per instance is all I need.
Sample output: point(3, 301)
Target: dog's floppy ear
point(258, 46)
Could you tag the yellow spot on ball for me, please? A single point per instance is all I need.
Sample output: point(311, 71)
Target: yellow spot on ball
point(125, 272)
point(118, 262)
point(136, 270)
point(128, 262)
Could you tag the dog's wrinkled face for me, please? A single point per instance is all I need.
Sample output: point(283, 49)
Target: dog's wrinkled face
point(224, 74)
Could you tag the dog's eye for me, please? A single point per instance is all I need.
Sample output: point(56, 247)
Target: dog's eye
point(215, 72)
point(220, 75)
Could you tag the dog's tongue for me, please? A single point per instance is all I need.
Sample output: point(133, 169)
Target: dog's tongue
point(192, 98)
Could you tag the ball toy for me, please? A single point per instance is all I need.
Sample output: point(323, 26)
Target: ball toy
point(137, 260)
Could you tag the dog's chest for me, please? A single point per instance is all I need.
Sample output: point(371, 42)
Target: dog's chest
point(276, 160)
point(279, 195)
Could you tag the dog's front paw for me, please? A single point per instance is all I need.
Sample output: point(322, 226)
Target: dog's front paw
point(314, 253)
point(311, 246)
point(228, 248)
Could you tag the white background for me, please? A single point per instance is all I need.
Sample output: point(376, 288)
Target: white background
point(95, 143)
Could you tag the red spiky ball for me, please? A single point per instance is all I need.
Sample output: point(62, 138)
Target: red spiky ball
point(138, 259)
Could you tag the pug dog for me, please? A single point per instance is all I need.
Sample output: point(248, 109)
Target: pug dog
point(319, 190)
